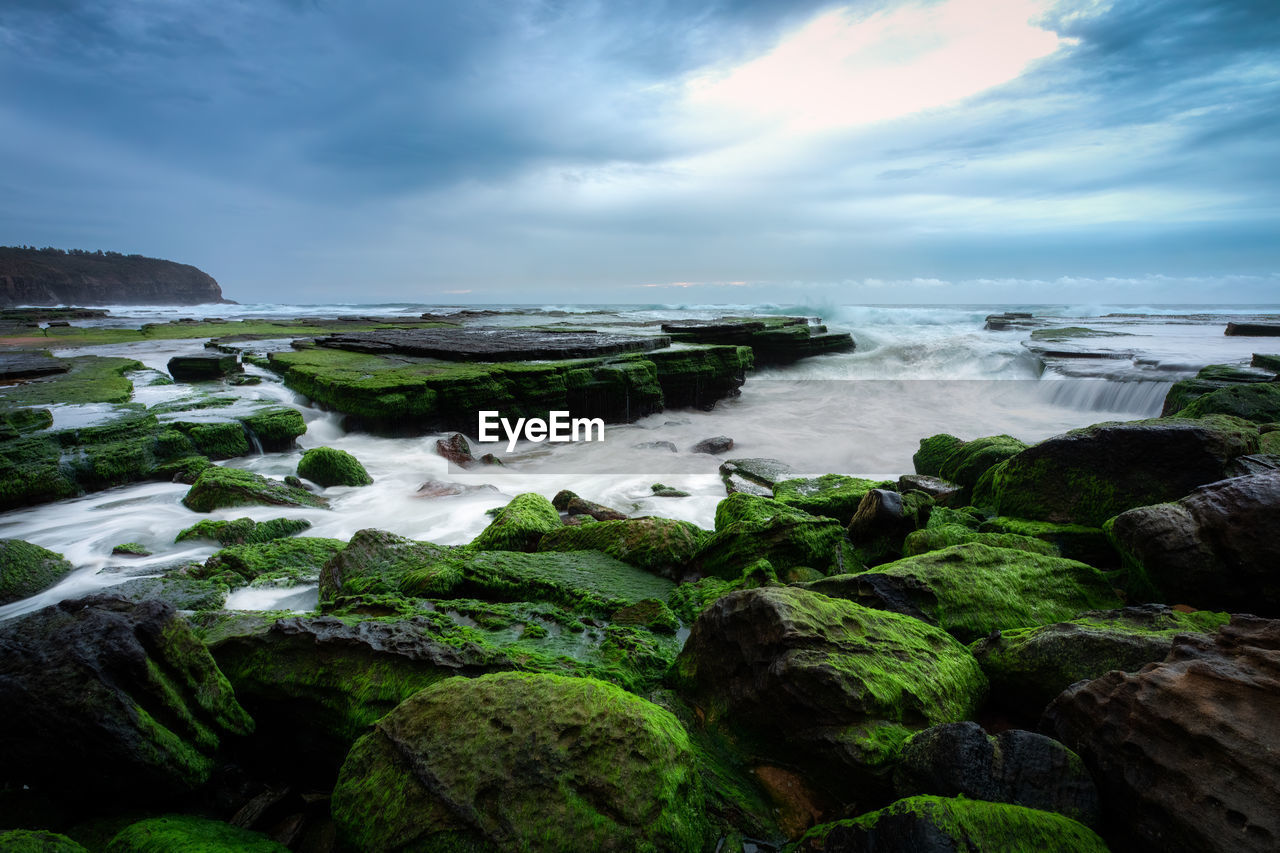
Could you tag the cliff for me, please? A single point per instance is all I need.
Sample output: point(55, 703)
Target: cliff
point(30, 276)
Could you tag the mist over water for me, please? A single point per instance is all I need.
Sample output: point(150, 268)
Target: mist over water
point(917, 371)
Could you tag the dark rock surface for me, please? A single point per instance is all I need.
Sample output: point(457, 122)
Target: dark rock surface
point(714, 445)
point(199, 368)
point(29, 365)
point(1268, 330)
point(1218, 547)
point(493, 344)
point(456, 449)
point(1184, 751)
point(1014, 766)
point(110, 698)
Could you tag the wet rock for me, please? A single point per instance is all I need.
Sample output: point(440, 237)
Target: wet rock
point(1209, 379)
point(202, 368)
point(751, 528)
point(831, 495)
point(532, 772)
point(1257, 463)
point(968, 461)
point(444, 489)
point(715, 445)
point(1266, 362)
point(456, 449)
point(661, 491)
point(218, 487)
point(972, 590)
point(1089, 475)
point(933, 451)
point(38, 841)
point(1258, 402)
point(29, 365)
point(275, 428)
point(943, 492)
point(762, 472)
point(243, 531)
point(938, 537)
point(1256, 330)
point(960, 825)
point(1184, 751)
point(660, 545)
point(327, 466)
point(130, 549)
point(1012, 320)
point(17, 422)
point(1014, 766)
point(493, 344)
point(569, 503)
point(882, 521)
point(176, 590)
point(1073, 541)
point(657, 445)
point(519, 525)
point(826, 684)
point(26, 569)
point(1028, 667)
point(121, 691)
point(1215, 548)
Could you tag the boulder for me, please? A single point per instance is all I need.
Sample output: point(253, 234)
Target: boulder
point(1089, 475)
point(218, 487)
point(663, 491)
point(121, 691)
point(1209, 379)
point(515, 761)
point(243, 531)
point(275, 428)
point(1014, 766)
point(1260, 330)
point(968, 461)
point(182, 833)
point(751, 528)
point(456, 449)
point(1184, 751)
point(763, 473)
point(1073, 541)
point(933, 451)
point(937, 537)
point(831, 495)
point(1215, 548)
point(1258, 402)
point(327, 466)
point(823, 683)
point(972, 590)
point(519, 525)
point(715, 445)
point(882, 522)
point(660, 545)
point(1028, 667)
point(960, 825)
point(277, 563)
point(26, 569)
point(204, 367)
point(177, 590)
point(943, 492)
point(570, 504)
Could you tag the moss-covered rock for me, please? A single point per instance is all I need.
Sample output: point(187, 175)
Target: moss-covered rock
point(1257, 402)
point(751, 528)
point(243, 531)
point(1089, 475)
point(89, 379)
point(690, 599)
point(1030, 666)
point(831, 495)
point(959, 824)
point(188, 834)
point(967, 462)
point(1214, 377)
point(219, 487)
point(522, 762)
point(17, 422)
point(933, 451)
point(825, 684)
point(659, 545)
point(37, 841)
point(275, 428)
point(376, 562)
point(1073, 541)
point(330, 467)
point(177, 589)
point(519, 525)
point(935, 538)
point(882, 522)
point(214, 439)
point(279, 562)
point(26, 569)
point(971, 590)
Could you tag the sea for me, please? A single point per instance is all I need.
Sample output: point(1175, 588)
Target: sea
point(916, 371)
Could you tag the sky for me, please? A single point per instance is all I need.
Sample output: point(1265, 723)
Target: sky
point(671, 152)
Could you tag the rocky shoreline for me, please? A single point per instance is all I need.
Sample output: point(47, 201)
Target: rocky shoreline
point(1072, 645)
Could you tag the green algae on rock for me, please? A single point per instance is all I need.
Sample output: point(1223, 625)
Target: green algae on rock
point(519, 761)
point(519, 525)
point(941, 823)
point(275, 427)
point(1073, 541)
point(935, 538)
point(1028, 667)
point(751, 528)
point(26, 569)
point(243, 531)
point(1258, 402)
point(831, 495)
point(220, 487)
point(188, 834)
point(38, 841)
point(279, 562)
point(971, 590)
point(329, 467)
point(89, 379)
point(659, 545)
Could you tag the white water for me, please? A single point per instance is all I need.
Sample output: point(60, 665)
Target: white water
point(916, 372)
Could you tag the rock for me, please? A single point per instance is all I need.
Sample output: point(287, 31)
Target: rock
point(26, 569)
point(180, 833)
point(1258, 402)
point(933, 451)
point(130, 549)
point(935, 538)
point(1255, 463)
point(715, 445)
point(493, 345)
point(218, 488)
point(179, 591)
point(649, 613)
point(18, 422)
point(1214, 548)
point(750, 528)
point(661, 491)
point(376, 562)
point(490, 459)
point(825, 684)
point(1028, 667)
point(456, 449)
point(536, 770)
point(762, 472)
point(519, 525)
point(939, 825)
point(243, 531)
point(1088, 475)
point(444, 489)
point(1266, 362)
point(276, 563)
point(882, 521)
point(203, 368)
point(943, 492)
point(1014, 766)
point(275, 428)
point(657, 445)
point(37, 841)
point(968, 461)
point(1073, 541)
point(972, 590)
point(122, 692)
point(659, 545)
point(326, 467)
point(569, 503)
point(29, 365)
point(831, 495)
point(773, 340)
point(1209, 379)
point(1256, 330)
point(1184, 751)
